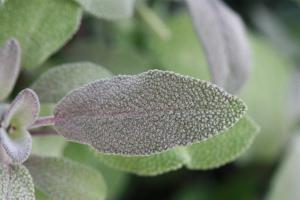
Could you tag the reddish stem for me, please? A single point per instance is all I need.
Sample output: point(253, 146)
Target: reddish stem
point(43, 121)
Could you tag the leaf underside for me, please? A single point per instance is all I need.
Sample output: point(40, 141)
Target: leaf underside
point(208, 154)
point(146, 113)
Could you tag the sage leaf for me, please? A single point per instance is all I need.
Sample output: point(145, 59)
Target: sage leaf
point(14, 136)
point(225, 42)
point(10, 58)
point(15, 183)
point(41, 27)
point(285, 184)
point(108, 9)
point(146, 113)
point(53, 85)
point(79, 182)
point(208, 154)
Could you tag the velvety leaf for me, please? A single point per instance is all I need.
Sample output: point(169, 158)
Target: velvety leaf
point(41, 27)
point(108, 9)
point(14, 136)
point(16, 183)
point(286, 181)
point(62, 179)
point(146, 113)
point(10, 58)
point(53, 85)
point(223, 36)
point(208, 154)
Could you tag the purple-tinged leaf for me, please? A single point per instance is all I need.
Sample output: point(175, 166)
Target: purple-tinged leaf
point(14, 136)
point(146, 113)
point(10, 58)
point(225, 42)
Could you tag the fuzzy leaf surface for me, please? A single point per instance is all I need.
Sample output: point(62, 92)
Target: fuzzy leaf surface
point(146, 113)
point(62, 179)
point(10, 58)
point(16, 183)
point(108, 9)
point(53, 85)
point(225, 42)
point(41, 27)
point(14, 136)
point(208, 154)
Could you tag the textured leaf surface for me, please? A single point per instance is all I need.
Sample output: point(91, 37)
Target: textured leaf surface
point(41, 27)
point(208, 154)
point(16, 183)
point(286, 182)
point(109, 9)
point(223, 36)
point(146, 113)
point(63, 179)
point(10, 58)
point(53, 85)
point(17, 118)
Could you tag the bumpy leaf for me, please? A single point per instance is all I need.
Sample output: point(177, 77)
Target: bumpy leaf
point(10, 58)
point(146, 113)
point(63, 179)
point(286, 182)
point(108, 9)
point(208, 154)
point(223, 36)
point(53, 85)
point(14, 136)
point(15, 183)
point(41, 27)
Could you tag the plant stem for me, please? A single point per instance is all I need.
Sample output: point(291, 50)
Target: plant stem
point(43, 132)
point(43, 121)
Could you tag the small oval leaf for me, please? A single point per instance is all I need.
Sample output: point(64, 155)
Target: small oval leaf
point(14, 136)
point(146, 113)
point(62, 179)
point(223, 35)
point(53, 85)
point(16, 183)
point(10, 58)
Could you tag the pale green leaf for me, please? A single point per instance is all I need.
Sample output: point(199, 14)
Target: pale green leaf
point(16, 183)
point(286, 181)
point(108, 9)
point(41, 27)
point(52, 145)
point(224, 38)
point(146, 113)
point(10, 58)
point(53, 85)
point(62, 179)
point(14, 136)
point(208, 154)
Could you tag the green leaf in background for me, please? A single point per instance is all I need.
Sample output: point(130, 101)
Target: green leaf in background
point(10, 58)
point(208, 154)
point(16, 183)
point(146, 113)
point(14, 135)
point(117, 181)
point(182, 53)
point(57, 82)
point(266, 99)
point(223, 36)
point(286, 182)
point(41, 27)
point(50, 145)
point(62, 179)
point(108, 9)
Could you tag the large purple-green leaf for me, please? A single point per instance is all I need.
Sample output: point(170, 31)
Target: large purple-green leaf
point(225, 42)
point(14, 136)
point(10, 58)
point(146, 113)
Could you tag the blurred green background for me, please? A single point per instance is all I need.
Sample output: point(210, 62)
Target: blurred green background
point(135, 45)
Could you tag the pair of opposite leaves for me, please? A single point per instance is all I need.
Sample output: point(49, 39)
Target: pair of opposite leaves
point(132, 115)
